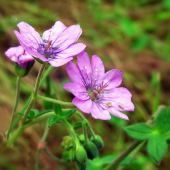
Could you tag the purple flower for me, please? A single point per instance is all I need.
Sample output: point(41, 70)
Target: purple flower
point(57, 45)
point(19, 55)
point(96, 91)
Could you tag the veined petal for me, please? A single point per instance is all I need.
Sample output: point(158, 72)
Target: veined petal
point(28, 33)
point(119, 92)
point(85, 68)
point(77, 89)
point(71, 51)
point(116, 113)
point(123, 104)
point(99, 113)
point(29, 49)
point(74, 73)
point(97, 67)
point(54, 32)
point(69, 36)
point(56, 62)
point(83, 105)
point(112, 78)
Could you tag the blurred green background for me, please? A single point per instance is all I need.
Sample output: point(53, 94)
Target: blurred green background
point(133, 36)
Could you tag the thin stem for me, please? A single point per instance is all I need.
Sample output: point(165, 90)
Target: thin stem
point(71, 131)
point(85, 132)
point(87, 123)
point(41, 141)
point(34, 94)
point(15, 105)
point(29, 99)
point(123, 155)
point(52, 156)
point(55, 101)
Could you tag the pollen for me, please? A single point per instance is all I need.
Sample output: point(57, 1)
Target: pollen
point(109, 104)
point(121, 106)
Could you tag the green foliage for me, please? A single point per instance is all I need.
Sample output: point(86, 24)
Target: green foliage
point(162, 123)
point(140, 131)
point(157, 147)
point(57, 109)
point(97, 163)
point(77, 125)
point(53, 120)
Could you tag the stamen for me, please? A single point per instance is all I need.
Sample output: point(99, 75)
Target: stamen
point(109, 104)
point(121, 106)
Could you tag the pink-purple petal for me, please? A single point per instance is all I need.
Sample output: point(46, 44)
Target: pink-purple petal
point(116, 113)
point(23, 60)
point(71, 51)
point(56, 62)
point(83, 105)
point(74, 73)
point(29, 49)
point(54, 32)
point(112, 78)
point(85, 67)
point(68, 37)
point(99, 113)
point(77, 89)
point(97, 67)
point(29, 33)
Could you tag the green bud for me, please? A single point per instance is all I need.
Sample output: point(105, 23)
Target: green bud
point(65, 157)
point(81, 166)
point(81, 154)
point(91, 149)
point(21, 72)
point(72, 154)
point(67, 142)
point(82, 138)
point(98, 142)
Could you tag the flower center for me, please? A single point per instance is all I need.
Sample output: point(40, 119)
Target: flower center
point(47, 49)
point(94, 94)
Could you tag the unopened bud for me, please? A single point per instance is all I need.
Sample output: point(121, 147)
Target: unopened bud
point(82, 138)
point(91, 150)
point(81, 154)
point(98, 142)
point(72, 154)
point(81, 166)
point(67, 142)
point(21, 72)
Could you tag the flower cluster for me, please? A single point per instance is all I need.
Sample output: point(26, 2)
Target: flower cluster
point(95, 91)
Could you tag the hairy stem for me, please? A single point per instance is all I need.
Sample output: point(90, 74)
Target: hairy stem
point(15, 106)
point(41, 141)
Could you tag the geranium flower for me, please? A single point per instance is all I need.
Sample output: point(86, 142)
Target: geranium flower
point(19, 55)
point(96, 91)
point(57, 45)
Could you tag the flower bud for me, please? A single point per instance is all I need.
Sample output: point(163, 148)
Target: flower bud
point(81, 154)
point(21, 72)
point(82, 138)
point(91, 150)
point(81, 166)
point(67, 142)
point(72, 154)
point(98, 142)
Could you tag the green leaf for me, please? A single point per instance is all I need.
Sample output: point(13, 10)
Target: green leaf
point(157, 147)
point(54, 119)
point(140, 131)
point(77, 125)
point(97, 163)
point(67, 114)
point(162, 122)
point(57, 109)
